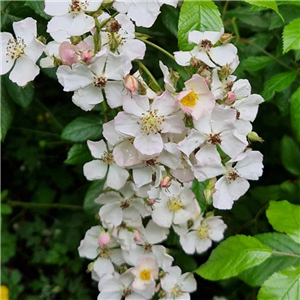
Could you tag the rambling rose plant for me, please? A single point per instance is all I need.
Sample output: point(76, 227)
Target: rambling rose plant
point(158, 143)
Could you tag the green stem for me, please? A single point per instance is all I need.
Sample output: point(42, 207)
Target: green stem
point(236, 31)
point(55, 121)
point(36, 131)
point(5, 7)
point(258, 215)
point(224, 10)
point(156, 47)
point(153, 83)
point(43, 205)
point(286, 254)
point(268, 54)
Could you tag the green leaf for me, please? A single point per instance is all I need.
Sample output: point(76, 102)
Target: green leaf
point(78, 154)
point(198, 189)
point(278, 83)
point(256, 275)
point(82, 129)
point(7, 110)
point(233, 256)
point(291, 36)
point(197, 15)
point(38, 7)
point(282, 285)
point(255, 63)
point(297, 3)
point(5, 209)
point(22, 96)
point(93, 192)
point(170, 17)
point(290, 155)
point(295, 113)
point(285, 217)
point(267, 4)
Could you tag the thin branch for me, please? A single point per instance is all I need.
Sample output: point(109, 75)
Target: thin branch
point(43, 205)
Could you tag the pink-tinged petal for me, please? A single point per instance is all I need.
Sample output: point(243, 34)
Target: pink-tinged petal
point(77, 77)
point(87, 97)
point(165, 103)
point(113, 92)
point(18, 75)
point(97, 148)
point(197, 84)
point(111, 213)
point(56, 8)
point(149, 144)
point(223, 55)
point(126, 124)
point(251, 167)
point(95, 169)
point(6, 60)
point(116, 177)
point(137, 105)
point(25, 29)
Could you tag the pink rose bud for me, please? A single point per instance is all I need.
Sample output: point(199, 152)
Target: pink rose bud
point(131, 83)
point(137, 236)
point(194, 62)
point(151, 201)
point(67, 53)
point(231, 97)
point(87, 55)
point(103, 239)
point(166, 182)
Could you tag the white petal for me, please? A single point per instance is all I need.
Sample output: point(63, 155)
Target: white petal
point(116, 177)
point(95, 169)
point(148, 144)
point(97, 148)
point(87, 97)
point(251, 167)
point(113, 92)
point(223, 55)
point(26, 29)
point(6, 60)
point(111, 213)
point(18, 75)
point(34, 49)
point(126, 124)
point(57, 8)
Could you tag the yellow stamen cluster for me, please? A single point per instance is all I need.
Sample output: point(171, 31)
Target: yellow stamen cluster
point(176, 291)
point(203, 231)
point(145, 274)
point(107, 158)
point(151, 122)
point(190, 99)
point(174, 204)
point(15, 48)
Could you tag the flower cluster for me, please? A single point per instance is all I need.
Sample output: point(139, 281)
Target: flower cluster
point(156, 146)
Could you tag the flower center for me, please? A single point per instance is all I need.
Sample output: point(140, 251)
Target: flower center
point(174, 204)
point(77, 6)
point(105, 252)
point(125, 204)
point(205, 45)
point(100, 82)
point(214, 139)
point(126, 292)
point(190, 99)
point(232, 175)
point(145, 274)
point(15, 47)
point(151, 122)
point(148, 247)
point(176, 291)
point(107, 158)
point(202, 231)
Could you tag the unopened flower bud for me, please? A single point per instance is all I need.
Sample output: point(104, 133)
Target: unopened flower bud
point(174, 77)
point(123, 269)
point(231, 97)
point(137, 236)
point(254, 137)
point(103, 239)
point(42, 39)
point(194, 62)
point(67, 53)
point(226, 38)
point(208, 196)
point(87, 55)
point(90, 267)
point(131, 83)
point(151, 201)
point(166, 182)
